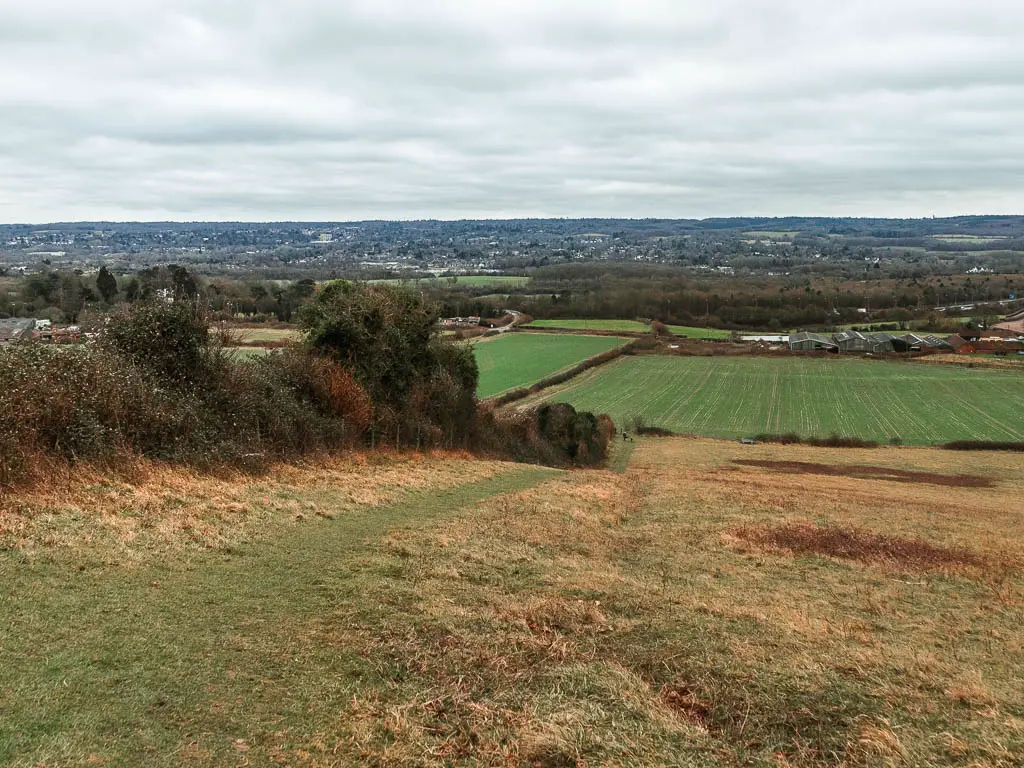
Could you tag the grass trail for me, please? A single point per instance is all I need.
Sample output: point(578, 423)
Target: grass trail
point(195, 665)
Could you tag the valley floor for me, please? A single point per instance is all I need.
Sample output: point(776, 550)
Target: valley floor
point(711, 604)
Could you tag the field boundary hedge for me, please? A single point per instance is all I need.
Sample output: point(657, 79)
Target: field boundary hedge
point(584, 332)
point(982, 445)
point(632, 348)
point(835, 441)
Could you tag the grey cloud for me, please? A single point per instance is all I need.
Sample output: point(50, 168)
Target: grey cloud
point(413, 108)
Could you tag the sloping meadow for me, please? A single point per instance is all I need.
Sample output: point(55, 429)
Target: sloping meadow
point(706, 606)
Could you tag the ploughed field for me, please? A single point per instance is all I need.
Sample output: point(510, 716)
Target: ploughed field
point(632, 326)
point(711, 604)
point(737, 397)
point(517, 360)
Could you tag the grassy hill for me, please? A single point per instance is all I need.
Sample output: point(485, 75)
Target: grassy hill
point(713, 604)
point(735, 397)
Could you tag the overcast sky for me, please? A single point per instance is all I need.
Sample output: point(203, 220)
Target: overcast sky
point(311, 110)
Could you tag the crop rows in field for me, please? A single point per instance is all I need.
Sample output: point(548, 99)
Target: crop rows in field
point(631, 326)
point(736, 397)
point(519, 359)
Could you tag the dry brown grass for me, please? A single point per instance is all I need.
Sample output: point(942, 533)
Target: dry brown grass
point(611, 619)
point(876, 743)
point(598, 588)
point(803, 538)
point(151, 508)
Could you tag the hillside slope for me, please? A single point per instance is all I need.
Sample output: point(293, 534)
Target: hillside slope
point(713, 604)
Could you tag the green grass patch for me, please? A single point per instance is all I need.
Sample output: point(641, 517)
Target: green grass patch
point(630, 326)
point(736, 397)
point(248, 353)
point(520, 359)
point(255, 335)
point(241, 653)
point(620, 454)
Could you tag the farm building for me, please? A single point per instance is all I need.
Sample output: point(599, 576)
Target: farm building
point(854, 341)
point(873, 343)
point(928, 341)
point(805, 341)
point(960, 344)
point(857, 342)
point(985, 346)
point(993, 334)
point(888, 342)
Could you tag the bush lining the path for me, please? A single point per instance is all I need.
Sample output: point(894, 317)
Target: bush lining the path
point(156, 385)
point(834, 441)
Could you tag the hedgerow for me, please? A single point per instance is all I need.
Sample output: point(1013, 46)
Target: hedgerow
point(834, 441)
point(155, 384)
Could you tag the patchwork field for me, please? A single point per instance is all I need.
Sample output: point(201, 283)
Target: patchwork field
point(632, 326)
point(736, 397)
point(712, 604)
point(520, 359)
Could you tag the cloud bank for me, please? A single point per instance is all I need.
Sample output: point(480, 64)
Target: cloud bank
point(266, 109)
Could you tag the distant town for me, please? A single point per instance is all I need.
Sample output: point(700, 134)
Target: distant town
point(975, 245)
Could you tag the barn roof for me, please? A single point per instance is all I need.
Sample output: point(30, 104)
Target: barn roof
point(820, 338)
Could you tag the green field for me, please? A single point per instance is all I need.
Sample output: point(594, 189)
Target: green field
point(248, 353)
point(956, 238)
point(474, 281)
point(631, 326)
point(734, 397)
point(255, 334)
point(520, 359)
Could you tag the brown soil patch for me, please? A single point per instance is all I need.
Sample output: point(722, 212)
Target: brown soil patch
point(860, 545)
point(869, 473)
point(688, 705)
